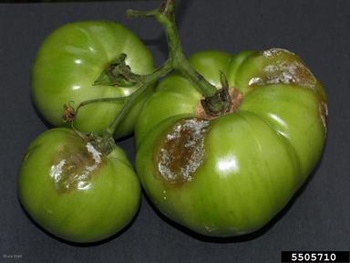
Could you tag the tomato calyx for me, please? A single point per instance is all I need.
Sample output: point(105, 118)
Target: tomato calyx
point(118, 74)
point(105, 143)
point(229, 100)
point(216, 102)
point(236, 99)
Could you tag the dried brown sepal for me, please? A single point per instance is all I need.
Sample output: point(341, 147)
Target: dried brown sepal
point(69, 113)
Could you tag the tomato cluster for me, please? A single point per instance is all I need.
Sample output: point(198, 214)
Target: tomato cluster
point(71, 185)
point(220, 173)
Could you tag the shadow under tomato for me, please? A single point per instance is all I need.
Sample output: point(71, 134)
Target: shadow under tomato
point(41, 117)
point(247, 237)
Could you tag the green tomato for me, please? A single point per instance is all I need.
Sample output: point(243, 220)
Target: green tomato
point(231, 175)
point(69, 62)
point(73, 190)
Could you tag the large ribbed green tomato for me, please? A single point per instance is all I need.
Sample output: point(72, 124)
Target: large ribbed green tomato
point(69, 62)
point(73, 190)
point(232, 174)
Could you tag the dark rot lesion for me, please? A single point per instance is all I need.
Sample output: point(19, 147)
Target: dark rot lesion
point(74, 166)
point(283, 66)
point(181, 151)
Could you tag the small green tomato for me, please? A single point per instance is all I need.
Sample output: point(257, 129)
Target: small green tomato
point(73, 190)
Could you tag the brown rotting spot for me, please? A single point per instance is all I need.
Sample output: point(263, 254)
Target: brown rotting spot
point(181, 151)
point(283, 67)
point(73, 167)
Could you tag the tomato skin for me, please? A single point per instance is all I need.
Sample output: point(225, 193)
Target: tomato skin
point(64, 192)
point(254, 159)
point(69, 62)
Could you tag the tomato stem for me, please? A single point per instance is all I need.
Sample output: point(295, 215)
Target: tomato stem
point(145, 82)
point(214, 103)
point(87, 102)
point(69, 113)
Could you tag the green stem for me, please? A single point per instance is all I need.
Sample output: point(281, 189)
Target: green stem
point(214, 103)
point(87, 102)
point(147, 81)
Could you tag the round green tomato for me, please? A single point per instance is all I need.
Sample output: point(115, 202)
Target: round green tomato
point(73, 190)
point(69, 62)
point(232, 174)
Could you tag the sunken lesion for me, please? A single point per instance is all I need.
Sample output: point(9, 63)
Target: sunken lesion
point(181, 151)
point(73, 167)
point(283, 67)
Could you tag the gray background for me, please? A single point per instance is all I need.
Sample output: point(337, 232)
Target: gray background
point(318, 219)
